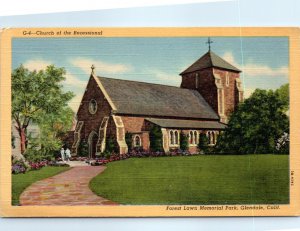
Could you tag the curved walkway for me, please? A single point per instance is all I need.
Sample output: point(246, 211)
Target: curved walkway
point(67, 188)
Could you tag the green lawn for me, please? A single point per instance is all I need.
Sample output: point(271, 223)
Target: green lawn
point(205, 179)
point(21, 181)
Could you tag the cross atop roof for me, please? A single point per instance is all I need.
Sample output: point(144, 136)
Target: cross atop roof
point(93, 68)
point(209, 41)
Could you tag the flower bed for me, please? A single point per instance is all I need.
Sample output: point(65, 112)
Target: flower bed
point(138, 153)
point(22, 167)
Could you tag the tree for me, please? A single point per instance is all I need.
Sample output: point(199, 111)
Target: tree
point(156, 138)
point(128, 140)
point(52, 129)
point(184, 141)
point(203, 143)
point(35, 93)
point(283, 93)
point(256, 125)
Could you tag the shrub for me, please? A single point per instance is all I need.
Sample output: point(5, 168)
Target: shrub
point(184, 141)
point(203, 143)
point(33, 155)
point(83, 148)
point(110, 145)
point(156, 139)
point(128, 140)
point(19, 166)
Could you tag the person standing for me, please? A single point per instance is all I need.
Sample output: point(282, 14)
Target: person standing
point(62, 154)
point(68, 154)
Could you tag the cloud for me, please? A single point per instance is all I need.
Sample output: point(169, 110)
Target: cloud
point(75, 102)
point(248, 92)
point(101, 67)
point(36, 64)
point(162, 77)
point(253, 69)
point(71, 80)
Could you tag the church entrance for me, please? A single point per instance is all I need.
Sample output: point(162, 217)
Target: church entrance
point(92, 141)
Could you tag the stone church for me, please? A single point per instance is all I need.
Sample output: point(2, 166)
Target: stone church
point(210, 90)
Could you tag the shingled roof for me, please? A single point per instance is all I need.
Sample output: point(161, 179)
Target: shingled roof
point(139, 98)
point(210, 59)
point(175, 123)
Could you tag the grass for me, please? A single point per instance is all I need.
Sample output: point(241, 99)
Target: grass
point(205, 179)
point(21, 181)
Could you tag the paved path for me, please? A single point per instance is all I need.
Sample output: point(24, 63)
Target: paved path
point(67, 188)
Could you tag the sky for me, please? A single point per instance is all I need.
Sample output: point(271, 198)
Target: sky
point(264, 61)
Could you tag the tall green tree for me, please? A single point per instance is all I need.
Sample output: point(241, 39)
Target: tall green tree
point(35, 93)
point(256, 125)
point(52, 128)
point(283, 93)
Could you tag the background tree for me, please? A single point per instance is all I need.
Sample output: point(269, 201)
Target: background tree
point(257, 124)
point(36, 92)
point(184, 141)
point(156, 138)
point(283, 93)
point(52, 130)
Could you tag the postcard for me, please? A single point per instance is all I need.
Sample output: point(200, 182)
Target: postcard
point(149, 122)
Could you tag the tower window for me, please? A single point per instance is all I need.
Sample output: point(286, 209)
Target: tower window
point(227, 79)
point(197, 80)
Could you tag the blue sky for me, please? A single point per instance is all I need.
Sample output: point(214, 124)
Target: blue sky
point(263, 60)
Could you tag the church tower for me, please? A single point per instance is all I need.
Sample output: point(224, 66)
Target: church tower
point(217, 81)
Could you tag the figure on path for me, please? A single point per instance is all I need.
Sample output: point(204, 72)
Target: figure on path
point(62, 153)
point(68, 154)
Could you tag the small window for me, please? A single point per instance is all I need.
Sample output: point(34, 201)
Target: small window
point(212, 137)
point(93, 106)
point(196, 137)
point(193, 137)
point(137, 141)
point(197, 80)
point(174, 137)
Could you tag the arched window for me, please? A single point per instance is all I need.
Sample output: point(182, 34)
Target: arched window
point(209, 137)
point(212, 137)
point(137, 141)
point(196, 137)
point(176, 137)
point(227, 79)
point(191, 137)
point(172, 137)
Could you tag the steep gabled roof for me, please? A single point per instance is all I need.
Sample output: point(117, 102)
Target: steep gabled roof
point(210, 59)
point(147, 99)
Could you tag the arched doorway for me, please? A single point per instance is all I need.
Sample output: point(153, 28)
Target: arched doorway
point(92, 141)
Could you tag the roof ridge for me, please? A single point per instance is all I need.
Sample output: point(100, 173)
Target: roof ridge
point(127, 80)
